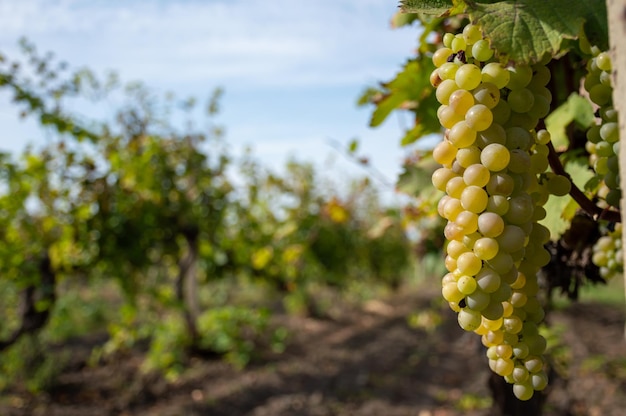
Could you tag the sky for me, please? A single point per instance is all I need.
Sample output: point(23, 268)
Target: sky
point(291, 70)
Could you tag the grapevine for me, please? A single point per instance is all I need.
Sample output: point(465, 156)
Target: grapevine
point(607, 253)
point(528, 98)
point(494, 177)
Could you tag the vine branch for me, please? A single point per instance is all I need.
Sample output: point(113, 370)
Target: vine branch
point(585, 203)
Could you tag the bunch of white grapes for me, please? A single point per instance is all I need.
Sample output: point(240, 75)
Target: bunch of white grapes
point(495, 179)
point(607, 254)
point(603, 139)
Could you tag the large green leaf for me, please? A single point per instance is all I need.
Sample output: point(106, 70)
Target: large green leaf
point(561, 210)
point(432, 7)
point(575, 109)
point(414, 179)
point(410, 90)
point(525, 31)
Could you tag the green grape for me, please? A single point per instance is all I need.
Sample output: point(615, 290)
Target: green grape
point(498, 204)
point(541, 107)
point(539, 381)
point(466, 285)
point(520, 374)
point(481, 50)
point(461, 101)
point(518, 138)
point(477, 300)
point(495, 183)
point(458, 44)
point(609, 132)
point(520, 209)
point(447, 71)
point(494, 134)
point(520, 161)
point(603, 61)
point(468, 319)
point(469, 264)
point(447, 39)
point(495, 157)
point(445, 89)
point(512, 238)
point(541, 76)
point(501, 112)
point(462, 134)
point(500, 183)
point(468, 156)
point(441, 176)
point(479, 117)
point(444, 153)
point(448, 117)
point(455, 249)
point(543, 137)
point(488, 280)
point(468, 76)
point(559, 185)
point(441, 56)
point(490, 224)
point(523, 391)
point(600, 94)
point(472, 34)
point(496, 74)
point(607, 253)
point(487, 94)
point(474, 199)
point(521, 100)
point(520, 77)
point(476, 174)
point(486, 248)
point(455, 187)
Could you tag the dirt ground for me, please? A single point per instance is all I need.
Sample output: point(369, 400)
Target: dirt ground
point(368, 361)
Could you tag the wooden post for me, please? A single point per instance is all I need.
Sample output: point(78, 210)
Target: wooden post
point(616, 11)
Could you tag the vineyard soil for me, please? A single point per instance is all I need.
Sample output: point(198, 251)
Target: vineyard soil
point(366, 361)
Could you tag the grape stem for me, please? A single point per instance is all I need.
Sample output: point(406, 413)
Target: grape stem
point(585, 203)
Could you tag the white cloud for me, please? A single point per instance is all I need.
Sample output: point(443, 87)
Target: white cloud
point(253, 42)
point(310, 51)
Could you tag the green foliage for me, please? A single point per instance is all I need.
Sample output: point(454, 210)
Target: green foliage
point(575, 110)
point(134, 230)
point(526, 31)
point(235, 332)
point(32, 364)
point(409, 90)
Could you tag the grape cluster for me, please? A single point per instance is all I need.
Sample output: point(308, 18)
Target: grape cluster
point(603, 139)
point(607, 253)
point(495, 179)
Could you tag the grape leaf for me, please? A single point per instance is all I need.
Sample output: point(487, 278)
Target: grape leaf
point(414, 179)
point(400, 19)
point(432, 7)
point(575, 109)
point(526, 31)
point(561, 210)
point(410, 90)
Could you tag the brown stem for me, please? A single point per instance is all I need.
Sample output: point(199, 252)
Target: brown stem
point(585, 203)
point(34, 319)
point(186, 279)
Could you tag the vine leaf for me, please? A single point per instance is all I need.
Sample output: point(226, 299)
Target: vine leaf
point(414, 179)
point(433, 7)
point(409, 90)
point(576, 109)
point(561, 210)
point(526, 31)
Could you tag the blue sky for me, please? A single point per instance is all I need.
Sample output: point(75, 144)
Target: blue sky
point(291, 69)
